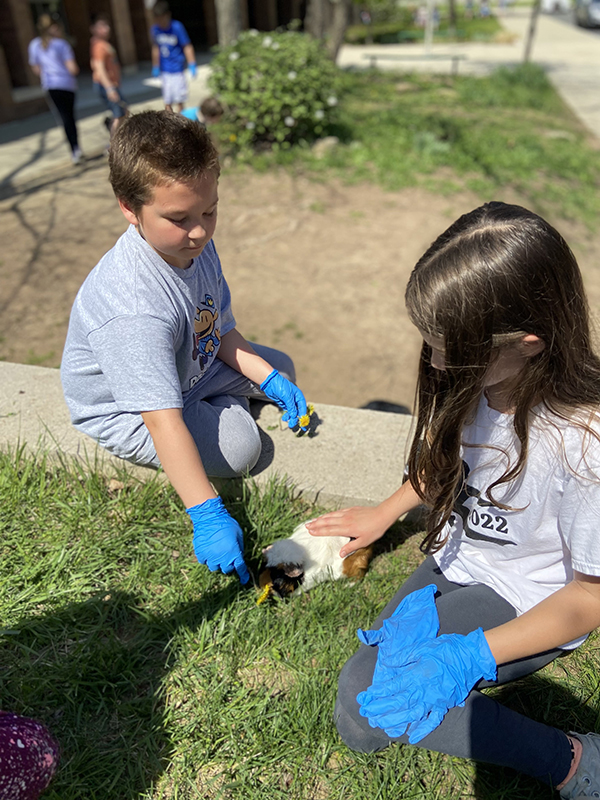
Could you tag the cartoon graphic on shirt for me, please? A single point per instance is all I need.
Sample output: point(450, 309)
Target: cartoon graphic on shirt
point(474, 520)
point(207, 336)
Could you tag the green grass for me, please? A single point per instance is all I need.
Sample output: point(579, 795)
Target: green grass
point(163, 680)
point(475, 29)
point(505, 134)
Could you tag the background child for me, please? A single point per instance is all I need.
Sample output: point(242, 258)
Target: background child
point(506, 453)
point(106, 71)
point(154, 368)
point(51, 58)
point(172, 51)
point(208, 112)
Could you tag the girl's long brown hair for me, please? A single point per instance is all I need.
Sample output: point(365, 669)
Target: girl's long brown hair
point(497, 272)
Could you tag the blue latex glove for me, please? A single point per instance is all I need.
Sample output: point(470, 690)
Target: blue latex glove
point(192, 69)
point(414, 620)
point(287, 396)
point(218, 539)
point(439, 675)
point(156, 72)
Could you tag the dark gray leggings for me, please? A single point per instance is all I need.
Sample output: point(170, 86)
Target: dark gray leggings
point(483, 729)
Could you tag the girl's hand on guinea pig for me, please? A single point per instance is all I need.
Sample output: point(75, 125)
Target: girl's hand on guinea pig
point(363, 524)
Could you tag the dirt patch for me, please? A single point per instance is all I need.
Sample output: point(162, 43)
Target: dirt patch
point(316, 269)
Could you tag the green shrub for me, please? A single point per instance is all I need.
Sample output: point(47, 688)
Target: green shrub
point(278, 89)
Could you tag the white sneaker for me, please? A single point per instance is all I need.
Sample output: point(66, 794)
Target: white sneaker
point(77, 156)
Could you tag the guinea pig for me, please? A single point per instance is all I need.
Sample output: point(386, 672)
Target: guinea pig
point(299, 562)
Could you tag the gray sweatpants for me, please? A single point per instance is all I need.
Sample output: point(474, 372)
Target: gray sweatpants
point(217, 414)
point(483, 729)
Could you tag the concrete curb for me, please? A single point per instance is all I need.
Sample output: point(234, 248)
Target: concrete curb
point(350, 457)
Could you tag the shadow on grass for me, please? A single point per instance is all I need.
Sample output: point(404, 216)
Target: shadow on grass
point(93, 673)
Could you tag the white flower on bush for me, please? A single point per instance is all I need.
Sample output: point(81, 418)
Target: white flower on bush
point(275, 46)
point(267, 41)
point(319, 114)
point(292, 75)
point(252, 32)
point(332, 101)
point(250, 126)
point(234, 56)
point(289, 121)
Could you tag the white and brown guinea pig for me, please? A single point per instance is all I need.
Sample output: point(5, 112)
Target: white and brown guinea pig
point(299, 562)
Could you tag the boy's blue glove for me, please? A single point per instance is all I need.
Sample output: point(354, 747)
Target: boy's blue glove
point(156, 72)
point(192, 69)
point(218, 539)
point(287, 396)
point(439, 675)
point(414, 620)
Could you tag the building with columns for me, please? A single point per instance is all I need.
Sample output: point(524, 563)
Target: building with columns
point(20, 94)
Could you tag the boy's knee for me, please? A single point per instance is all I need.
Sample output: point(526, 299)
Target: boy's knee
point(239, 445)
point(287, 368)
point(246, 452)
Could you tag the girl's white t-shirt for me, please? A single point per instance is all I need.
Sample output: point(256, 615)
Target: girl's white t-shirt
point(552, 524)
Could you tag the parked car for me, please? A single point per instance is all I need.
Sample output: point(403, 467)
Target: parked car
point(587, 13)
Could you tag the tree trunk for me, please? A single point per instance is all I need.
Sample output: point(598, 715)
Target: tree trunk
point(327, 20)
point(452, 14)
point(229, 21)
point(337, 29)
point(315, 21)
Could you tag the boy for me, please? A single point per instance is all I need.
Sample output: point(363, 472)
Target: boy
point(171, 53)
point(154, 368)
point(106, 71)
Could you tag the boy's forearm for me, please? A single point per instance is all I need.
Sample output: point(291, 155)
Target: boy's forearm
point(189, 54)
point(239, 354)
point(155, 56)
point(178, 455)
point(569, 613)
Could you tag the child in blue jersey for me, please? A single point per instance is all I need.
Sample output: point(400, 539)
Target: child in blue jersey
point(172, 52)
point(154, 368)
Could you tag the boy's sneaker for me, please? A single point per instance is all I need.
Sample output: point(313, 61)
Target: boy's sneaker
point(77, 156)
point(586, 781)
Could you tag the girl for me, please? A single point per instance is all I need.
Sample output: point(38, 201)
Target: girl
point(51, 58)
point(506, 454)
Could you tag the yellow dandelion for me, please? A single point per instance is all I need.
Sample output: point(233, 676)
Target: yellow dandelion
point(232, 137)
point(304, 420)
point(265, 594)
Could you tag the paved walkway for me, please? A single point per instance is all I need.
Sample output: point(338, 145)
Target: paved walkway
point(35, 147)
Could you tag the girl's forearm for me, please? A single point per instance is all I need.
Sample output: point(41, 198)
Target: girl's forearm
point(569, 613)
point(403, 500)
point(178, 455)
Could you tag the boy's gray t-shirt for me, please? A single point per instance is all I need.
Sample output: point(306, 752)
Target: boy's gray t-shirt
point(142, 334)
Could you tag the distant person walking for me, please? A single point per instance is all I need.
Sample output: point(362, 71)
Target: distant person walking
point(106, 71)
point(52, 59)
point(172, 52)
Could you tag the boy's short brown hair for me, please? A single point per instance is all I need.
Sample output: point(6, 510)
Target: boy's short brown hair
point(155, 148)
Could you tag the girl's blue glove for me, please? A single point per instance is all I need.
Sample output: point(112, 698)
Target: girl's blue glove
point(156, 72)
point(218, 539)
point(414, 620)
point(438, 675)
point(192, 69)
point(287, 396)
